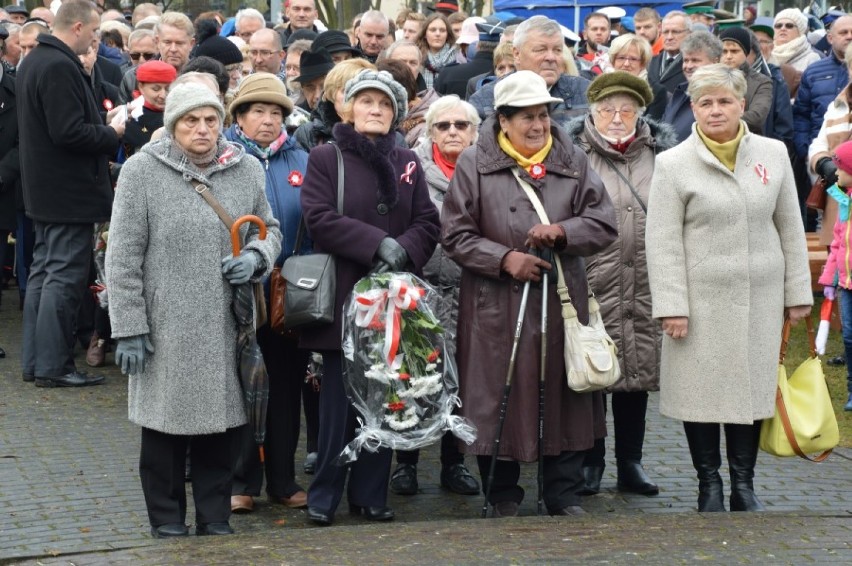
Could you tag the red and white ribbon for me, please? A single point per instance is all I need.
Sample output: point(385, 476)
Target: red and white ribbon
point(762, 172)
point(410, 168)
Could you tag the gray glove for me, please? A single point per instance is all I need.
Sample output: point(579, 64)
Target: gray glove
point(391, 253)
point(131, 352)
point(239, 270)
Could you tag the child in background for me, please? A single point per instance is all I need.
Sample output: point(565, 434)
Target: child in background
point(837, 277)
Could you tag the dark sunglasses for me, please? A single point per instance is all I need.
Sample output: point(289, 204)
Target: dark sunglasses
point(788, 25)
point(461, 125)
point(147, 56)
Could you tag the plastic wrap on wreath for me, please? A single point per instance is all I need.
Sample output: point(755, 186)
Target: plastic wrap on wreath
point(395, 373)
point(100, 244)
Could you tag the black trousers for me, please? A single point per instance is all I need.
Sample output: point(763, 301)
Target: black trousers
point(563, 475)
point(286, 365)
point(450, 453)
point(628, 416)
point(369, 474)
point(61, 259)
point(162, 465)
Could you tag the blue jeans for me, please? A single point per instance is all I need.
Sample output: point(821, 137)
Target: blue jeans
point(845, 296)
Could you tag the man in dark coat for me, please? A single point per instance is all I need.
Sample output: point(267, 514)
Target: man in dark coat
point(10, 167)
point(64, 148)
point(666, 69)
point(453, 78)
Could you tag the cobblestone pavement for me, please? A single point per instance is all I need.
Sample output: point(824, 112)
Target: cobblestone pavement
point(70, 493)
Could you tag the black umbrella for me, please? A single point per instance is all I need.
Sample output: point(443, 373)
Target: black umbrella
point(253, 377)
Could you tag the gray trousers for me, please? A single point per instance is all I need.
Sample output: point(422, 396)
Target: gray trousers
point(57, 281)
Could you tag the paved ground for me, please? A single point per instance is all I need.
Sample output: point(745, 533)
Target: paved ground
point(69, 493)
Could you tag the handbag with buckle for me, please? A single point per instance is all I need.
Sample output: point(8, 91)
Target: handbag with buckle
point(591, 357)
point(804, 421)
point(310, 281)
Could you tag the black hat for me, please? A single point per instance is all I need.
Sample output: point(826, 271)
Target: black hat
point(308, 34)
point(491, 29)
point(221, 49)
point(314, 64)
point(446, 6)
point(15, 9)
point(334, 41)
point(738, 35)
point(4, 33)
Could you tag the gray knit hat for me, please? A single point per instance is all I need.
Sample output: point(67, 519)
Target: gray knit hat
point(187, 97)
point(383, 81)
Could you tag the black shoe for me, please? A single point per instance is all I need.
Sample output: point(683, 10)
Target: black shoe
point(2, 353)
point(458, 479)
point(212, 529)
point(28, 378)
point(632, 478)
point(170, 530)
point(837, 361)
point(703, 440)
point(742, 445)
point(73, 379)
point(404, 480)
point(505, 509)
point(593, 475)
point(571, 510)
point(310, 464)
point(848, 405)
point(372, 513)
point(319, 517)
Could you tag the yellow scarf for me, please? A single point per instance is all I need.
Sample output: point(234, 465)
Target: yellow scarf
point(525, 162)
point(724, 152)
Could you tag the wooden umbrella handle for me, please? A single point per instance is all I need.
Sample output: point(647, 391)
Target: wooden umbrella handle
point(235, 231)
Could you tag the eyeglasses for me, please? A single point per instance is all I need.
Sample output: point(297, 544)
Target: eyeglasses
point(627, 59)
point(609, 113)
point(262, 53)
point(135, 55)
point(460, 125)
point(785, 25)
point(674, 31)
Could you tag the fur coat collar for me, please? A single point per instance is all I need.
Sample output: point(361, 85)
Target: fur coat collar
point(375, 153)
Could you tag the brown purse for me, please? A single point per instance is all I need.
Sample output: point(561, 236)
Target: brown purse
point(816, 198)
point(277, 288)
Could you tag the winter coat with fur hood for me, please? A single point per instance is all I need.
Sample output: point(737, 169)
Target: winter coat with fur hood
point(619, 274)
point(374, 182)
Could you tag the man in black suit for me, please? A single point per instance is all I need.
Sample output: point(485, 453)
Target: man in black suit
point(64, 149)
point(10, 167)
point(666, 69)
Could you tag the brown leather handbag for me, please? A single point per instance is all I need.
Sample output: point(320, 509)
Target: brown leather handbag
point(277, 288)
point(816, 198)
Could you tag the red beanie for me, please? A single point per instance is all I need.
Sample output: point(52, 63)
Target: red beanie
point(155, 72)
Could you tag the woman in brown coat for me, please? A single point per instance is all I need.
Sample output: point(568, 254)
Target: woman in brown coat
point(621, 147)
point(487, 223)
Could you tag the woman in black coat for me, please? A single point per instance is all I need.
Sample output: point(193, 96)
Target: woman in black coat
point(388, 223)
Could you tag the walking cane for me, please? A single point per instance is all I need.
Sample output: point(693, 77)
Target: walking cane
point(495, 450)
point(546, 256)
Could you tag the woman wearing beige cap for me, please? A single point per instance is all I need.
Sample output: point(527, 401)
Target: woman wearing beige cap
point(488, 224)
point(259, 110)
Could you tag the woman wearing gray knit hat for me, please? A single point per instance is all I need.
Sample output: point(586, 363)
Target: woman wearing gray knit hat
point(170, 276)
point(388, 223)
point(791, 41)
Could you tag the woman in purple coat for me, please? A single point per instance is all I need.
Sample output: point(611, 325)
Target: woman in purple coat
point(388, 224)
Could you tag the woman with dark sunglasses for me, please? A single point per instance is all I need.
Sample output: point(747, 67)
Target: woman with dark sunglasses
point(791, 42)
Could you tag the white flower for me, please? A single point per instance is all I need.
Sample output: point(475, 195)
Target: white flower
point(402, 420)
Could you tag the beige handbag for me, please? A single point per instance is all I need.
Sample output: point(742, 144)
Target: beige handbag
point(591, 357)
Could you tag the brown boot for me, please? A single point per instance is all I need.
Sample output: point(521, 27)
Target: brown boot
point(96, 353)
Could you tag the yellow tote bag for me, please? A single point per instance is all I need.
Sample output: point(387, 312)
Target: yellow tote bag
point(804, 421)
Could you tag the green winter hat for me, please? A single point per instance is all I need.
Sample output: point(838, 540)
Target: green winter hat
point(620, 82)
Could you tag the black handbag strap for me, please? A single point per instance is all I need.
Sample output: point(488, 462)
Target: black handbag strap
point(629, 184)
point(301, 230)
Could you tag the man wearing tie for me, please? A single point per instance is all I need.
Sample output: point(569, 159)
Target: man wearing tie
point(666, 69)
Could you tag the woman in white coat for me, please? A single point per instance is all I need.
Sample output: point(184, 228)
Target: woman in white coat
point(727, 260)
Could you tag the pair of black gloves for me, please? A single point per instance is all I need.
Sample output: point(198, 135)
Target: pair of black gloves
point(390, 256)
point(826, 169)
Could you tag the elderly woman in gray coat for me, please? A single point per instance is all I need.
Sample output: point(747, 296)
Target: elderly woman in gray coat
point(170, 278)
point(450, 126)
point(727, 260)
point(621, 144)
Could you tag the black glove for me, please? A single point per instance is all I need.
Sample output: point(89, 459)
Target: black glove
point(826, 169)
point(393, 254)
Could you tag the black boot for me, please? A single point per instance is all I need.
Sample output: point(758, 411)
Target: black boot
point(628, 414)
point(703, 440)
point(742, 456)
point(593, 468)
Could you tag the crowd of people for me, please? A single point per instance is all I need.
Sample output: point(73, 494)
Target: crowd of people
point(661, 161)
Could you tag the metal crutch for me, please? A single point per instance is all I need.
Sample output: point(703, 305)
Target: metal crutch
point(495, 450)
point(546, 256)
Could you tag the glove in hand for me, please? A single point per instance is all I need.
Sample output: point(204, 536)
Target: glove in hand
point(393, 254)
point(132, 352)
point(826, 169)
point(523, 266)
point(239, 270)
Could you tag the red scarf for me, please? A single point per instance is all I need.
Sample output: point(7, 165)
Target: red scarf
point(622, 146)
point(445, 166)
point(148, 106)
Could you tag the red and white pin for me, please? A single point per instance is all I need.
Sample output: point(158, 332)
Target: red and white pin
point(295, 178)
point(762, 173)
point(537, 171)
